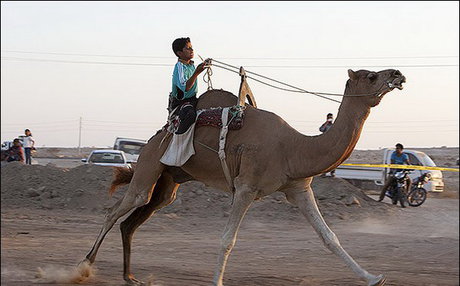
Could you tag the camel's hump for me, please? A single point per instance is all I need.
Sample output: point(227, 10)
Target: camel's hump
point(216, 98)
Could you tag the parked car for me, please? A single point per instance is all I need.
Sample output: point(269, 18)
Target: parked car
point(114, 158)
point(6, 145)
point(131, 147)
point(379, 175)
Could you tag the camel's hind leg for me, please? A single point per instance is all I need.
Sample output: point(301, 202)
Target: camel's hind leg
point(305, 200)
point(147, 172)
point(163, 194)
point(243, 198)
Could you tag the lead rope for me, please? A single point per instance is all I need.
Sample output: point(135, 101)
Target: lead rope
point(207, 77)
point(229, 67)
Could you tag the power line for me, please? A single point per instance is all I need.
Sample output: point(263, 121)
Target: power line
point(241, 58)
point(41, 123)
point(396, 121)
point(86, 62)
point(89, 55)
point(361, 66)
point(411, 131)
point(344, 58)
point(249, 66)
point(119, 122)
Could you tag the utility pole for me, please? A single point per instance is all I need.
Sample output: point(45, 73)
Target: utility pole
point(79, 138)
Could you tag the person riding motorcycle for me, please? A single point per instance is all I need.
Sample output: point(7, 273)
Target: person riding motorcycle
point(400, 158)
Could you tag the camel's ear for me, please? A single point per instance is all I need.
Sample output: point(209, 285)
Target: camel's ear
point(351, 74)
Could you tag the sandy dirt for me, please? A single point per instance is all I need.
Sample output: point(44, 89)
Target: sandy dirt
point(51, 216)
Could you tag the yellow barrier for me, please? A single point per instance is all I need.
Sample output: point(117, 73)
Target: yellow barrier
point(395, 166)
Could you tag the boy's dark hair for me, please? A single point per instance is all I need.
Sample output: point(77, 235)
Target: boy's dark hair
point(399, 145)
point(179, 44)
point(329, 114)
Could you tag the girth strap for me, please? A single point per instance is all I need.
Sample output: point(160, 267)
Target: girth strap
point(222, 140)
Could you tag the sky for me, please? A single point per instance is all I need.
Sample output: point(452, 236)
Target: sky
point(109, 65)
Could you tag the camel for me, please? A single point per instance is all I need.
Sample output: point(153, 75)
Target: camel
point(265, 156)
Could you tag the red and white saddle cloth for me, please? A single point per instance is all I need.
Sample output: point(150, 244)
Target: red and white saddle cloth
point(181, 148)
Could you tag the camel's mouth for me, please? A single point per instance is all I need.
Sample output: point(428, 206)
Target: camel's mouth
point(393, 83)
point(397, 81)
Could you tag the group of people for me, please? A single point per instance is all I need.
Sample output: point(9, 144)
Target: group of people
point(20, 151)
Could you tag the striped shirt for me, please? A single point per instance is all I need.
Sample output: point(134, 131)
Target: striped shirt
point(182, 73)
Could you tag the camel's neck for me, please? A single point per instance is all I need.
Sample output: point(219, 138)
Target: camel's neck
point(318, 154)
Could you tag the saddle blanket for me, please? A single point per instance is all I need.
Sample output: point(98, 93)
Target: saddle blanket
point(213, 117)
point(180, 149)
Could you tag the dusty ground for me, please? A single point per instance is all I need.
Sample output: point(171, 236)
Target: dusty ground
point(51, 216)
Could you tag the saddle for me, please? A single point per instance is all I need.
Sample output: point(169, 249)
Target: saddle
point(180, 149)
point(213, 117)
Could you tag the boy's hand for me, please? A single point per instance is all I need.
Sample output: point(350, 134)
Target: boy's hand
point(201, 67)
point(207, 62)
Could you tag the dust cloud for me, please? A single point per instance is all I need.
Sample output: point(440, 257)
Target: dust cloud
point(58, 274)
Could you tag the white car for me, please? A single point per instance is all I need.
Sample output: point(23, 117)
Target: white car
point(131, 147)
point(113, 158)
point(380, 175)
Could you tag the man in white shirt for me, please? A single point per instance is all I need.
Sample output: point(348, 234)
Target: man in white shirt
point(28, 144)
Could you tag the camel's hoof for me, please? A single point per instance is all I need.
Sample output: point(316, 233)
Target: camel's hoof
point(84, 262)
point(84, 267)
point(131, 281)
point(378, 281)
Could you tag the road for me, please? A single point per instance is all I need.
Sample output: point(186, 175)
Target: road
point(414, 246)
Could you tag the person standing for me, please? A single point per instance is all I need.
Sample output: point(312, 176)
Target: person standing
point(28, 144)
point(328, 124)
point(324, 128)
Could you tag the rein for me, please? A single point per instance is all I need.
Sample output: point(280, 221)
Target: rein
point(323, 95)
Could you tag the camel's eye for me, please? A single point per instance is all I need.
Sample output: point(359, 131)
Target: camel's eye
point(372, 76)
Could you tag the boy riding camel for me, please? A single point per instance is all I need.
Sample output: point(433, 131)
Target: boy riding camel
point(184, 84)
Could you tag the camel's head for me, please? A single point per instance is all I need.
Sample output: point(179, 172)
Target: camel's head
point(370, 87)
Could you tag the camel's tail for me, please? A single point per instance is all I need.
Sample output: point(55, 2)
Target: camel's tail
point(121, 176)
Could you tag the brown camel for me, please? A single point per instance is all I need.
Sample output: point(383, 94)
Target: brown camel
point(265, 156)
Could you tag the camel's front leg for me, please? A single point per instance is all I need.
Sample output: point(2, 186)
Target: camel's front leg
point(243, 198)
point(305, 200)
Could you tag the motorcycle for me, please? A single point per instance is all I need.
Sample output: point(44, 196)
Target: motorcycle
point(417, 194)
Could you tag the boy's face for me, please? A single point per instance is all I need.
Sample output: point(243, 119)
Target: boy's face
point(187, 52)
